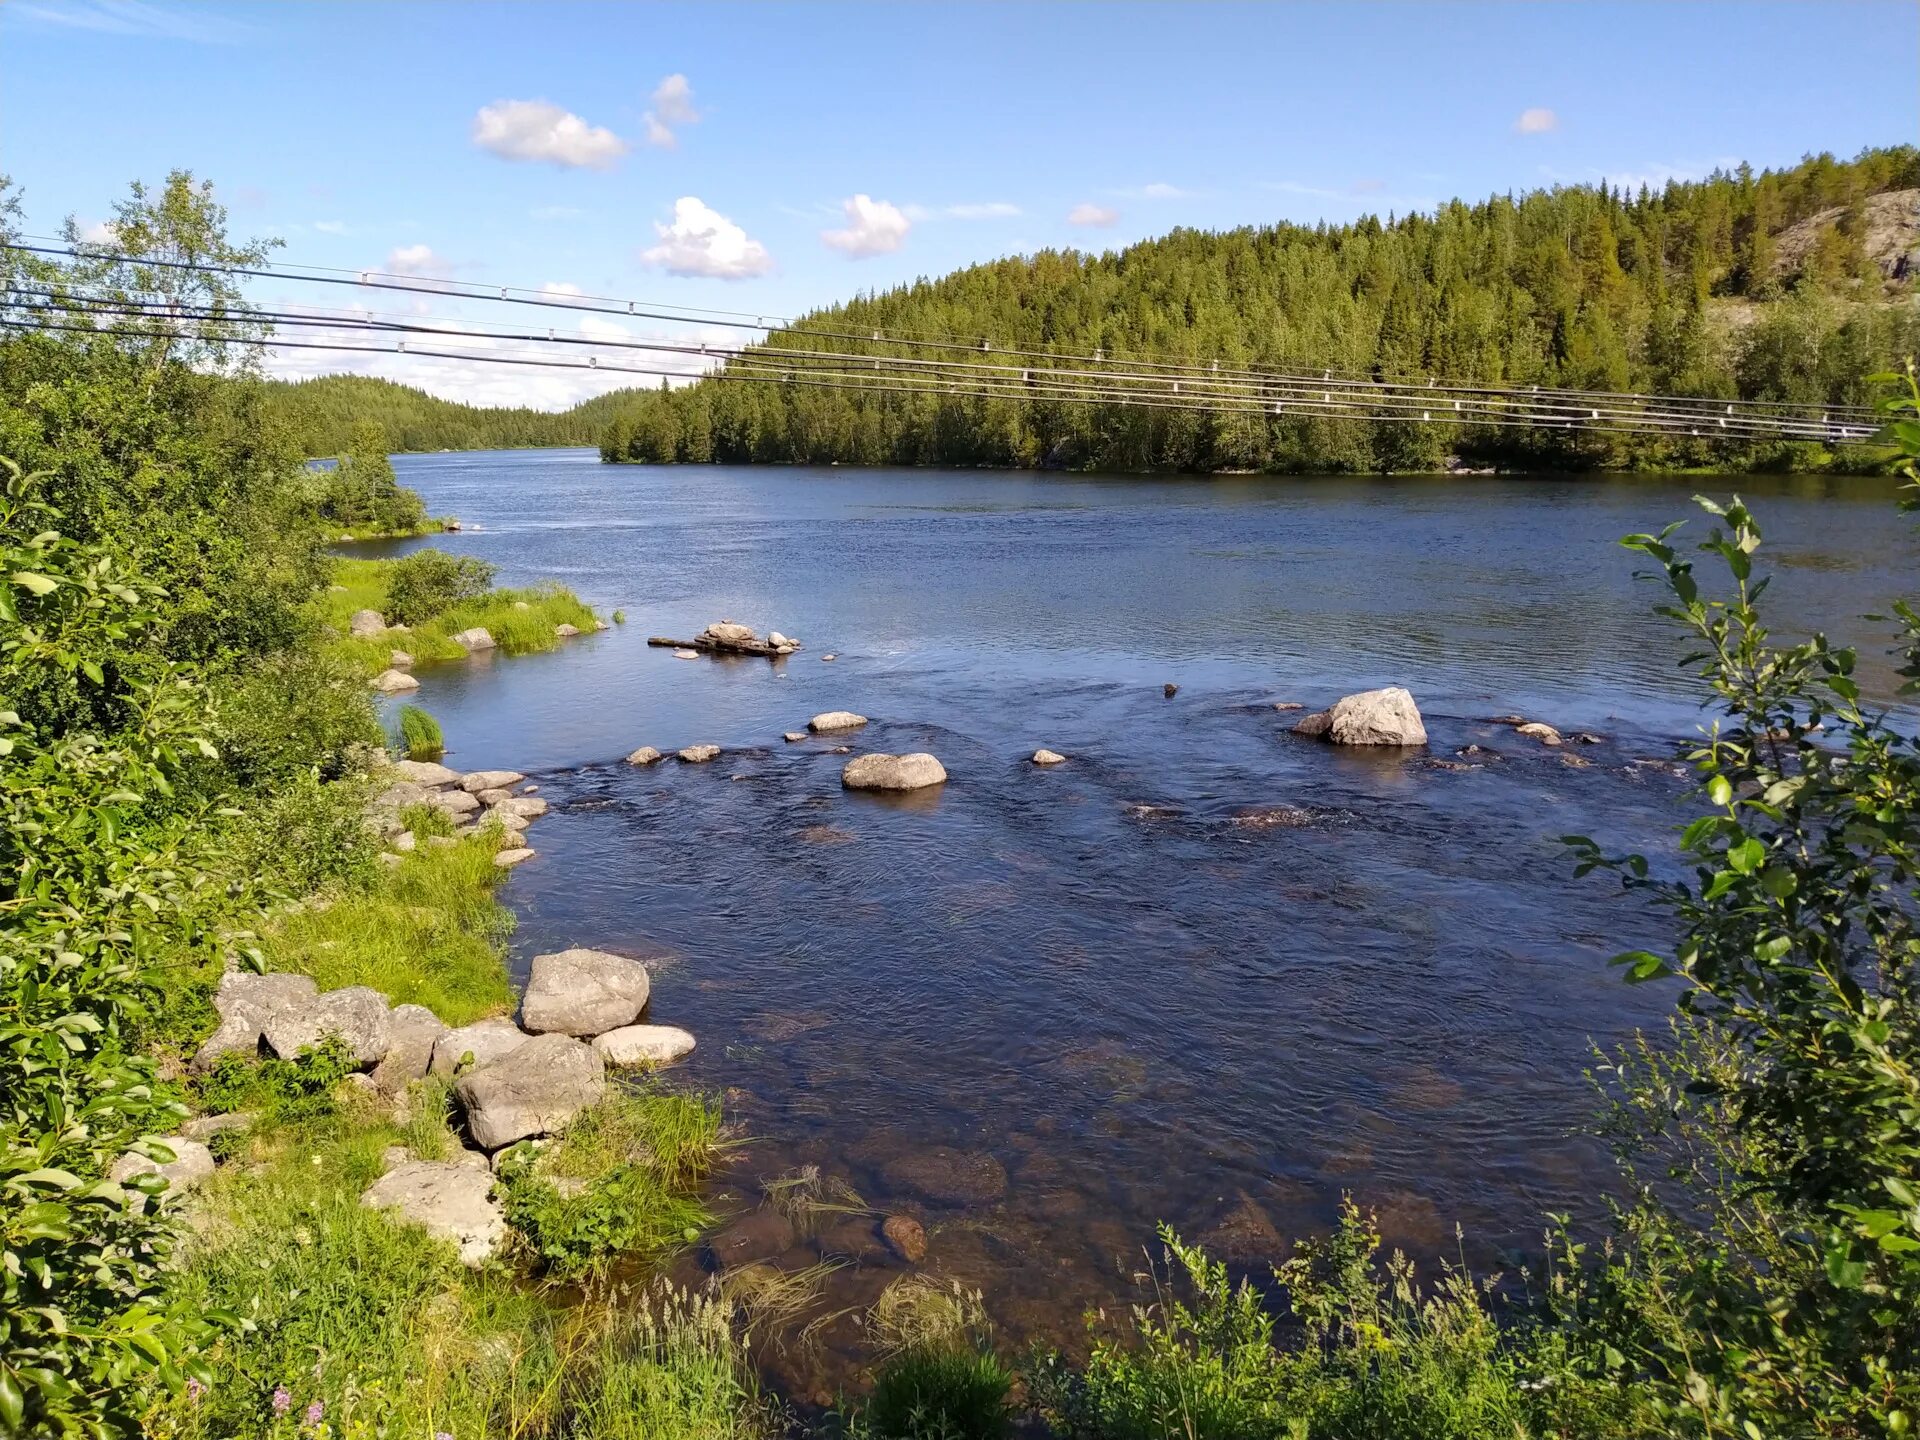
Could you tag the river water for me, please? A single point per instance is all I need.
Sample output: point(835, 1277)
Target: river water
point(1044, 1009)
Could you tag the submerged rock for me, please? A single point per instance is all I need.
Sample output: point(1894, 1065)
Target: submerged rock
point(794, 736)
point(448, 1200)
point(906, 1237)
point(645, 755)
point(644, 1045)
point(948, 1177)
point(583, 992)
point(1048, 757)
point(893, 772)
point(394, 682)
point(1537, 730)
point(1273, 817)
point(857, 1240)
point(759, 1236)
point(534, 1089)
point(700, 754)
point(1243, 1234)
point(833, 721)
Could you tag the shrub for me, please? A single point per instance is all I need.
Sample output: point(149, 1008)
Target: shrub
point(290, 714)
point(297, 1089)
point(420, 737)
point(430, 582)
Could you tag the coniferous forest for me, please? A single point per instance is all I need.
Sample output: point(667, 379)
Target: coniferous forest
point(1783, 285)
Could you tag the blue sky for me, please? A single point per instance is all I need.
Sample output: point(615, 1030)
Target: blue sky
point(773, 157)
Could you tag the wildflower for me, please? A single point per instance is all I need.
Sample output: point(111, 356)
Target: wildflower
point(282, 1399)
point(316, 1412)
point(194, 1391)
point(443, 1435)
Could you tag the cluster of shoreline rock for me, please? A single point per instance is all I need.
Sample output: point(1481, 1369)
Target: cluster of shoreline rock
point(394, 680)
point(515, 1083)
point(470, 801)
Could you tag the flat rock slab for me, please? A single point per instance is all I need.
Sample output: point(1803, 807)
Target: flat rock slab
point(412, 1032)
point(192, 1163)
point(479, 780)
point(644, 1045)
point(448, 1200)
point(507, 859)
point(485, 1040)
point(835, 720)
point(535, 1089)
point(528, 807)
point(947, 1176)
point(457, 803)
point(245, 1002)
point(583, 992)
point(357, 1014)
point(426, 772)
point(893, 772)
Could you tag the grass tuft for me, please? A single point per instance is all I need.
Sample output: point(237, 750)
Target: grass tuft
point(420, 737)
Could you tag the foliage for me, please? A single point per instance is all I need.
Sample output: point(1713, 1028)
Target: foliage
point(430, 582)
point(618, 1184)
point(939, 1392)
point(516, 631)
point(296, 1089)
point(1689, 289)
point(668, 1368)
point(1376, 1358)
point(1781, 1292)
point(422, 820)
point(292, 713)
point(360, 494)
point(420, 737)
point(322, 414)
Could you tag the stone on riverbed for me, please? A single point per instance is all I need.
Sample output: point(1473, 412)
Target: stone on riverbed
point(394, 682)
point(685, 654)
point(448, 1200)
point(1537, 730)
point(645, 755)
point(893, 772)
point(794, 736)
point(700, 754)
point(356, 1013)
point(366, 623)
point(534, 1089)
point(484, 1040)
point(583, 992)
point(644, 1045)
point(948, 1177)
point(473, 640)
point(1048, 757)
point(426, 772)
point(759, 1236)
point(479, 780)
point(528, 807)
point(1372, 717)
point(835, 720)
point(245, 1003)
point(514, 855)
point(906, 1237)
point(412, 1032)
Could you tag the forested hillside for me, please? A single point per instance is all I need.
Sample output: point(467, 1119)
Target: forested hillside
point(322, 414)
point(1786, 285)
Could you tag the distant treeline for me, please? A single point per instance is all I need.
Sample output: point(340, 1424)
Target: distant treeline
point(1778, 285)
point(322, 414)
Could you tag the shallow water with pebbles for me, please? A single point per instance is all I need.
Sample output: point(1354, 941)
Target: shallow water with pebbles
point(1203, 971)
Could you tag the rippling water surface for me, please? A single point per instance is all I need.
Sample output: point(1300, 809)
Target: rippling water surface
point(1043, 1009)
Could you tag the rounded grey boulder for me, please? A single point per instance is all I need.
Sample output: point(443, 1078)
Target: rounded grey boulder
point(357, 1014)
point(535, 1089)
point(644, 1045)
point(485, 1040)
point(893, 772)
point(835, 720)
point(583, 992)
point(448, 1200)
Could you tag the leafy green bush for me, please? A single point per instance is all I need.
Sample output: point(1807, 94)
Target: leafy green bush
point(939, 1393)
point(298, 1089)
point(423, 820)
point(420, 737)
point(288, 714)
point(360, 494)
point(430, 582)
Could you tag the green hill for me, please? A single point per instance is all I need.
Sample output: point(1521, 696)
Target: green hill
point(322, 413)
point(1787, 285)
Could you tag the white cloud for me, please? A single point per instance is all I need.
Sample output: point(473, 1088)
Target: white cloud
point(416, 260)
point(672, 105)
point(673, 101)
point(557, 212)
point(100, 232)
point(873, 228)
point(1087, 213)
point(561, 290)
point(989, 210)
point(331, 227)
point(1536, 121)
point(132, 17)
point(1160, 190)
point(701, 241)
point(538, 130)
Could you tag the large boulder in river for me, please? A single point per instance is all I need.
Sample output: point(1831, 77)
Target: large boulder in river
point(1373, 717)
point(726, 632)
point(583, 992)
point(356, 1014)
point(536, 1089)
point(644, 1045)
point(448, 1200)
point(484, 1040)
point(412, 1031)
point(245, 1003)
point(893, 772)
point(395, 682)
point(835, 720)
point(366, 623)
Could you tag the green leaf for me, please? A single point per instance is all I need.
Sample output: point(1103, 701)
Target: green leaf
point(34, 583)
point(13, 1404)
point(1747, 856)
point(1719, 791)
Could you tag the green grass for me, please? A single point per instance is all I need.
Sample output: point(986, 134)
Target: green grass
point(420, 737)
point(939, 1393)
point(514, 631)
point(426, 932)
point(674, 1369)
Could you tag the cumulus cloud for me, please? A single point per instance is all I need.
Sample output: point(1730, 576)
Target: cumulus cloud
point(536, 130)
point(1088, 213)
point(672, 105)
point(873, 228)
point(99, 232)
point(703, 242)
point(416, 260)
point(1160, 190)
point(989, 210)
point(1536, 121)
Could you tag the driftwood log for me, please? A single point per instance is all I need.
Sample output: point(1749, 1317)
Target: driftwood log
point(721, 647)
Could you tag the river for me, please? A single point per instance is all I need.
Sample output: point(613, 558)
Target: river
point(1098, 981)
